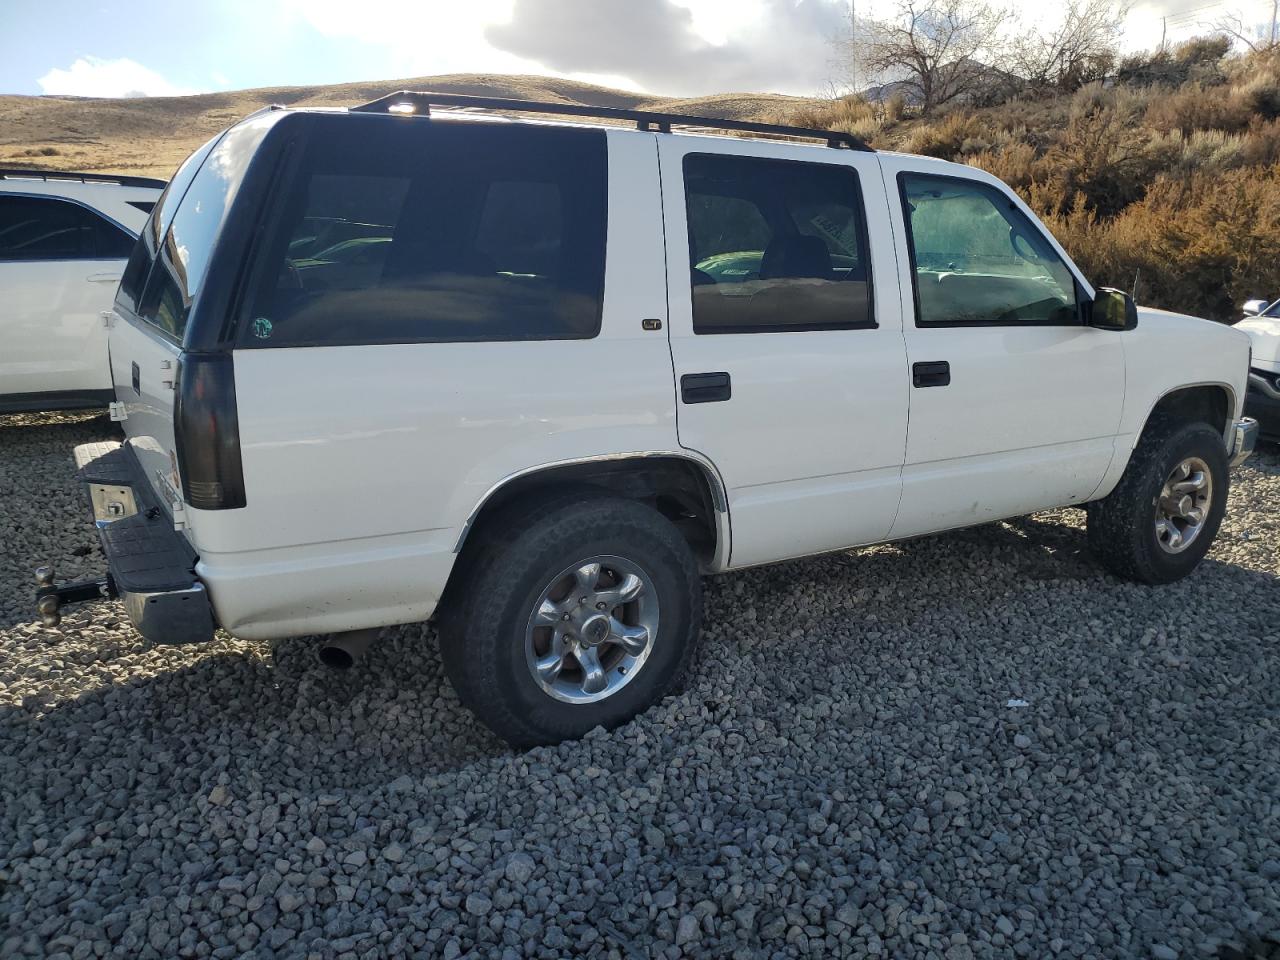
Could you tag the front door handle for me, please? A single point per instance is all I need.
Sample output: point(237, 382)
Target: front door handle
point(931, 373)
point(705, 387)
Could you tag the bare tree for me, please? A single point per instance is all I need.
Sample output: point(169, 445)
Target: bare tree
point(933, 50)
point(1252, 34)
point(1081, 48)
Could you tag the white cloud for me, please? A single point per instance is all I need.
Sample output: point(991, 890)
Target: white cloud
point(96, 77)
point(420, 36)
point(786, 46)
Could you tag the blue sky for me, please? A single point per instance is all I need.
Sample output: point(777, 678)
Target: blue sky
point(158, 47)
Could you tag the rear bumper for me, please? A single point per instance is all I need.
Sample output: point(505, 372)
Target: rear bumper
point(151, 565)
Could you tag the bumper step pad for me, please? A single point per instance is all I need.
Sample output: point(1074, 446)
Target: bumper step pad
point(104, 462)
point(145, 552)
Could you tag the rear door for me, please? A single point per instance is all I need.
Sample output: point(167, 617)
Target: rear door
point(59, 266)
point(786, 338)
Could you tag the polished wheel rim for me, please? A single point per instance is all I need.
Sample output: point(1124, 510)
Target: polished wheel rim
point(592, 629)
point(1184, 504)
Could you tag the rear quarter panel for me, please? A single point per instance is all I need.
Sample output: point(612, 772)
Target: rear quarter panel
point(362, 465)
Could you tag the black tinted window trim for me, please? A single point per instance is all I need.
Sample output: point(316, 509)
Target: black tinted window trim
point(905, 207)
point(75, 203)
point(864, 244)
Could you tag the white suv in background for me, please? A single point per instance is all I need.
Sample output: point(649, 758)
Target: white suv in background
point(64, 241)
point(532, 379)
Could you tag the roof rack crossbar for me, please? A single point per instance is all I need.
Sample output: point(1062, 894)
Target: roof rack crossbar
point(56, 175)
point(420, 103)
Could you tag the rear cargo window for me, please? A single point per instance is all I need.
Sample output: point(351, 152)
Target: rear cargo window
point(144, 251)
point(184, 254)
point(410, 231)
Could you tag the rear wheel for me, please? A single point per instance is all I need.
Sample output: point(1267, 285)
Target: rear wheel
point(1160, 520)
point(576, 614)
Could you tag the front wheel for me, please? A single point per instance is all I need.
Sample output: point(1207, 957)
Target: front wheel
point(1160, 520)
point(582, 613)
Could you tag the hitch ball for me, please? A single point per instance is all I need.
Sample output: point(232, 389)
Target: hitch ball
point(47, 604)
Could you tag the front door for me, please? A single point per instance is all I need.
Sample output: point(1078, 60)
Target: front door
point(1015, 403)
point(786, 338)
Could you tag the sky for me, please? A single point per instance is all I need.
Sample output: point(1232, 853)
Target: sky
point(676, 47)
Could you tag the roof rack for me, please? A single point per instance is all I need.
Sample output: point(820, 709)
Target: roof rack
point(420, 103)
point(51, 176)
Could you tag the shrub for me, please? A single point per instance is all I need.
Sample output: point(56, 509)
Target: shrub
point(1201, 50)
point(1261, 94)
point(1015, 164)
point(1261, 145)
point(945, 138)
point(1103, 153)
point(841, 113)
point(895, 108)
point(1194, 107)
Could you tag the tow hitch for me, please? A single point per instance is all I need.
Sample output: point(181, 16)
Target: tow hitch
point(50, 597)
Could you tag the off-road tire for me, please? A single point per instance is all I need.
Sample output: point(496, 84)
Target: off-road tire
point(482, 632)
point(1121, 525)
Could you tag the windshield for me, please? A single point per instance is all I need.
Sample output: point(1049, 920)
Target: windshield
point(1272, 311)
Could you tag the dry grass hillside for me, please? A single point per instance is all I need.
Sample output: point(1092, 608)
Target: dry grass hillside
point(152, 135)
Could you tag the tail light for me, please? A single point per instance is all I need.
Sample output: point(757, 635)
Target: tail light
point(207, 433)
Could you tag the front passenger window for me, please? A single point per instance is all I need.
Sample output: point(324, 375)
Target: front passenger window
point(978, 260)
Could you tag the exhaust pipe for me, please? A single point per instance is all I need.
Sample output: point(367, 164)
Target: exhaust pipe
point(341, 650)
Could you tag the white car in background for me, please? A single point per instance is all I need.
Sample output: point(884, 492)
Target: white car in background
point(64, 241)
point(1262, 324)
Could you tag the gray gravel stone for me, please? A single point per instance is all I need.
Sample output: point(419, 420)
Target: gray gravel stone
point(519, 869)
point(841, 775)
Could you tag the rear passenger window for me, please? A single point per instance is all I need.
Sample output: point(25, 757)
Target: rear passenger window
point(417, 230)
point(775, 245)
point(38, 228)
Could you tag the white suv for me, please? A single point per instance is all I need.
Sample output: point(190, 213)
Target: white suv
point(533, 378)
point(64, 240)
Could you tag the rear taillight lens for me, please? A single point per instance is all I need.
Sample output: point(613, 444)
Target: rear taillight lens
point(207, 433)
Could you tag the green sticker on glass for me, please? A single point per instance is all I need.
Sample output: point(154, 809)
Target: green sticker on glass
point(262, 328)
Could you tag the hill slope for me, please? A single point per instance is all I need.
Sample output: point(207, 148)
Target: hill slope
point(152, 135)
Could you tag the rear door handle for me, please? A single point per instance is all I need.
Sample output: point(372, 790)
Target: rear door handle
point(931, 373)
point(104, 278)
point(705, 387)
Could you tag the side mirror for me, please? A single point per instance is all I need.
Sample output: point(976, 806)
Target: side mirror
point(1112, 309)
point(1252, 308)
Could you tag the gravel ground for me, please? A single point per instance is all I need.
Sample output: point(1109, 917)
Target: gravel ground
point(844, 775)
